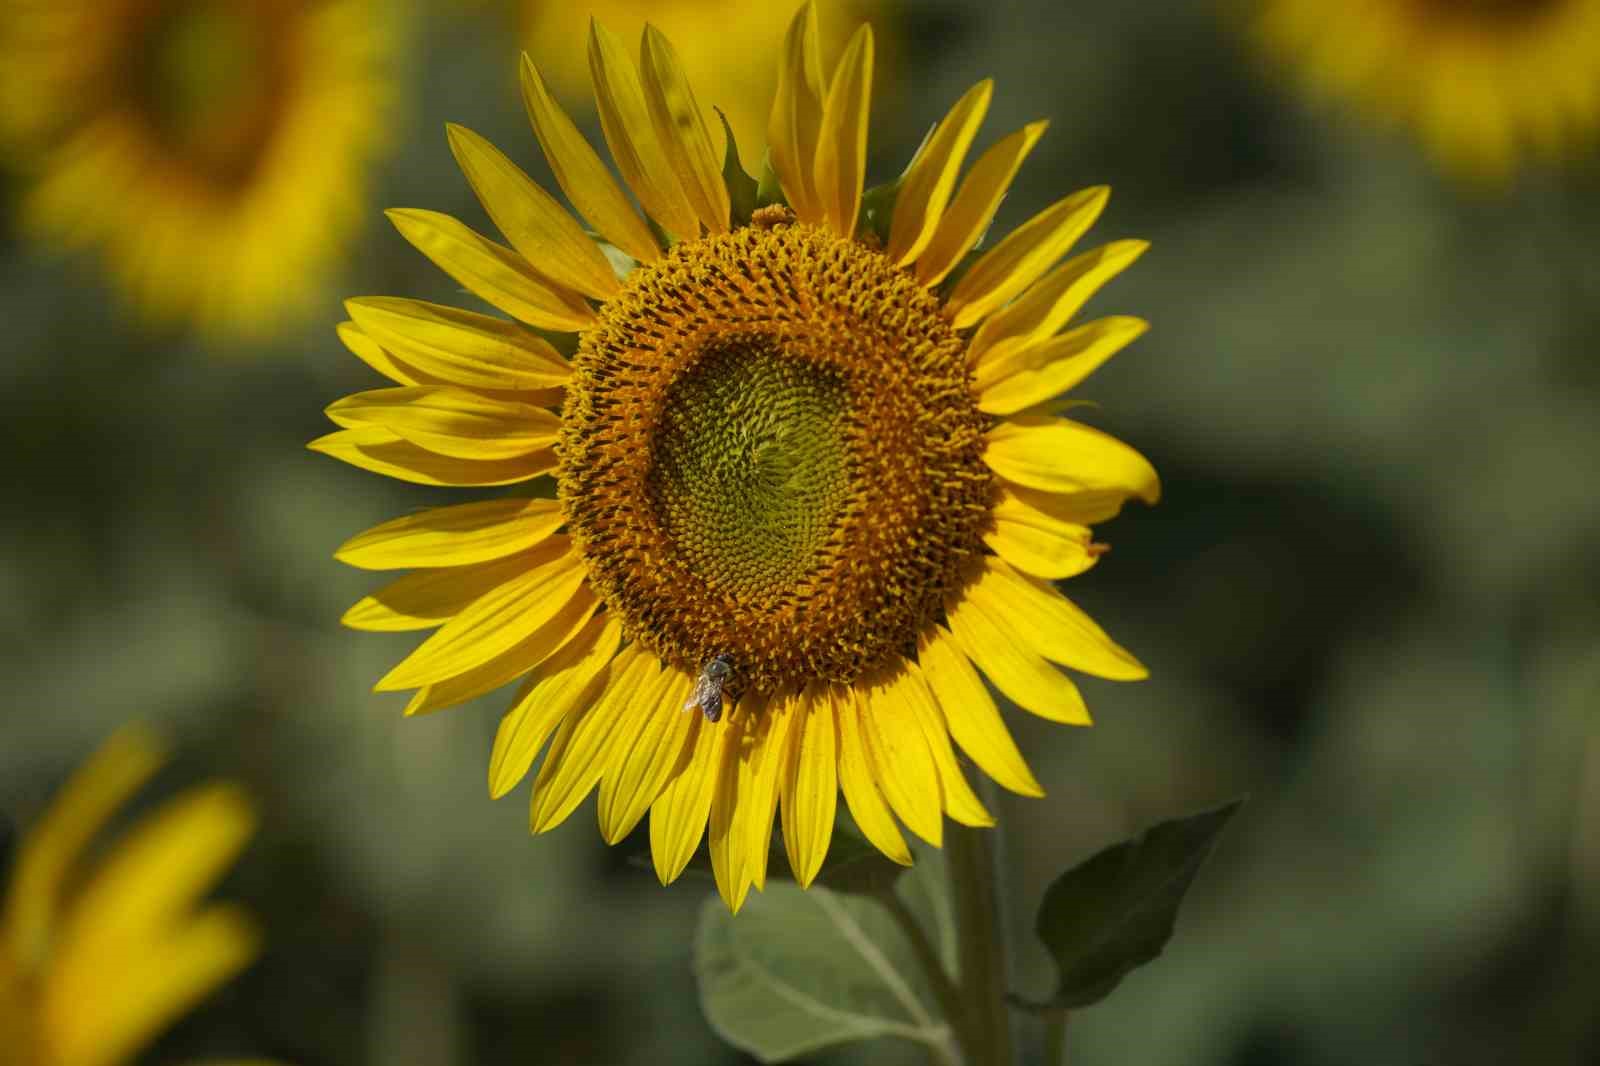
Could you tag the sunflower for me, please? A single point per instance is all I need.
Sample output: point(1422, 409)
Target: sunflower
point(809, 490)
point(1482, 82)
point(96, 959)
point(213, 151)
point(726, 42)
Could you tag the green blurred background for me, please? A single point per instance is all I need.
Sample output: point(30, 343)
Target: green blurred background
point(1370, 598)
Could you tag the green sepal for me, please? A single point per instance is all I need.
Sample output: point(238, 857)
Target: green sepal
point(877, 211)
point(741, 186)
point(1108, 916)
point(769, 190)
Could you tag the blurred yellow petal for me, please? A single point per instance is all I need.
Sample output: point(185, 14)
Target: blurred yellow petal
point(466, 349)
point(581, 174)
point(101, 1022)
point(454, 536)
point(158, 871)
point(631, 135)
point(495, 621)
point(1059, 455)
point(796, 121)
point(1038, 313)
point(973, 719)
point(810, 786)
point(382, 452)
point(1012, 380)
point(841, 163)
point(975, 202)
point(681, 131)
point(47, 853)
point(1025, 254)
point(536, 225)
point(569, 679)
point(926, 189)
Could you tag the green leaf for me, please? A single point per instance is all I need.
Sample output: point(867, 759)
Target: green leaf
point(1110, 915)
point(769, 190)
point(741, 186)
point(798, 970)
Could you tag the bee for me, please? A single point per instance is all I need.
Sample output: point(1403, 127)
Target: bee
point(707, 694)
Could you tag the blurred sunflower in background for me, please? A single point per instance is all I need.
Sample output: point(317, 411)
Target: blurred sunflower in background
point(809, 482)
point(98, 957)
point(728, 44)
point(214, 152)
point(1483, 83)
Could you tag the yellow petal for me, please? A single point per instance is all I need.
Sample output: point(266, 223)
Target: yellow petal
point(653, 742)
point(581, 174)
point(841, 164)
point(759, 775)
point(460, 347)
point(678, 816)
point(1010, 381)
point(47, 854)
point(1025, 254)
point(451, 421)
point(376, 449)
point(1059, 455)
point(1053, 625)
point(971, 716)
point(158, 871)
point(1087, 507)
point(510, 665)
point(631, 136)
point(859, 782)
point(429, 598)
point(374, 355)
point(570, 678)
point(729, 847)
point(926, 189)
point(536, 225)
point(974, 205)
point(991, 640)
point(496, 621)
point(98, 1021)
point(899, 756)
point(810, 787)
point(681, 131)
point(960, 802)
point(1036, 542)
point(576, 760)
point(796, 119)
point(454, 536)
point(492, 271)
point(1042, 310)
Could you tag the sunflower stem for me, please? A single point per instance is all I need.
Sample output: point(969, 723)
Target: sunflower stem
point(944, 989)
point(1055, 1040)
point(974, 890)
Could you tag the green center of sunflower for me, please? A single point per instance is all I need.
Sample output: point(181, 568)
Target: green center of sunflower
point(770, 451)
point(206, 76)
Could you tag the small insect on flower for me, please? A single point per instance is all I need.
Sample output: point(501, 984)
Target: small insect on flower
point(707, 694)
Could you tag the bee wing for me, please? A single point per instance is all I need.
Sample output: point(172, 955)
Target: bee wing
point(704, 687)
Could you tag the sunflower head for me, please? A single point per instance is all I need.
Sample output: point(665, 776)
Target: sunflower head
point(808, 477)
point(213, 152)
point(1483, 84)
